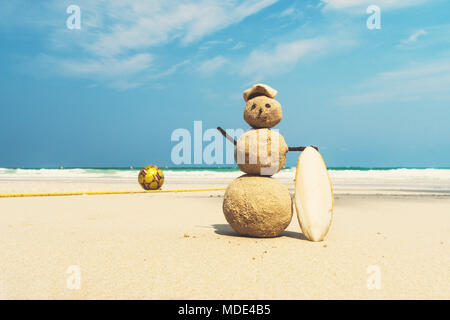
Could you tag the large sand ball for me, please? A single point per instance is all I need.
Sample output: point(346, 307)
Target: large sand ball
point(261, 152)
point(262, 112)
point(257, 206)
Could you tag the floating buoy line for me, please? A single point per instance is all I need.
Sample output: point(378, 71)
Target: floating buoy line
point(95, 193)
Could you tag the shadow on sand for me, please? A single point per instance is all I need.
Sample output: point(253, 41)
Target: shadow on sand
point(226, 230)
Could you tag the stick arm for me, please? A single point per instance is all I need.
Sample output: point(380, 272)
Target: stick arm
point(226, 135)
point(301, 148)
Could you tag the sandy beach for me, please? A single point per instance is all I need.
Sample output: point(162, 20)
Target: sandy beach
point(179, 246)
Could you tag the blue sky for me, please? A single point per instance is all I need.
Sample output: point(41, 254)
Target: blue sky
point(112, 93)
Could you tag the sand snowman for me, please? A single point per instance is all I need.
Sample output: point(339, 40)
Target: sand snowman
point(258, 205)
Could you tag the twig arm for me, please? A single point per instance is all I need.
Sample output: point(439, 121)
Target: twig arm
point(301, 148)
point(226, 135)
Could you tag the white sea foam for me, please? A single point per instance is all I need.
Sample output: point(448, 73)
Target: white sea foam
point(437, 174)
point(391, 179)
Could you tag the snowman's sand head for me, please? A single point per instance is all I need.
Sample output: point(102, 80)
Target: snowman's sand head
point(262, 112)
point(261, 109)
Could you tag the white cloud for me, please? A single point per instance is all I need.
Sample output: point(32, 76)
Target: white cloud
point(238, 46)
point(287, 12)
point(107, 67)
point(120, 73)
point(171, 70)
point(276, 58)
point(284, 56)
point(213, 43)
point(118, 37)
point(411, 41)
point(209, 66)
point(144, 24)
point(415, 36)
point(435, 35)
point(358, 4)
point(425, 81)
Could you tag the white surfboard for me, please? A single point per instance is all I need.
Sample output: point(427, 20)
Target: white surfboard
point(313, 195)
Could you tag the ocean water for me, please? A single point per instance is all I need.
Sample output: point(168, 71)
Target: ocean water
point(434, 180)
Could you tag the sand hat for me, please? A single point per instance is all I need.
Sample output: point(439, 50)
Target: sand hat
point(259, 90)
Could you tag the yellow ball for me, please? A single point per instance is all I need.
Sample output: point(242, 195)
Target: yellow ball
point(151, 178)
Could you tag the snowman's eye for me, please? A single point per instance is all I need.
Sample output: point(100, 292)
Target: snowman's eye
point(253, 106)
point(267, 105)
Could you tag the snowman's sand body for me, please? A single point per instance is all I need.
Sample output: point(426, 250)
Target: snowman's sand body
point(258, 206)
point(261, 152)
